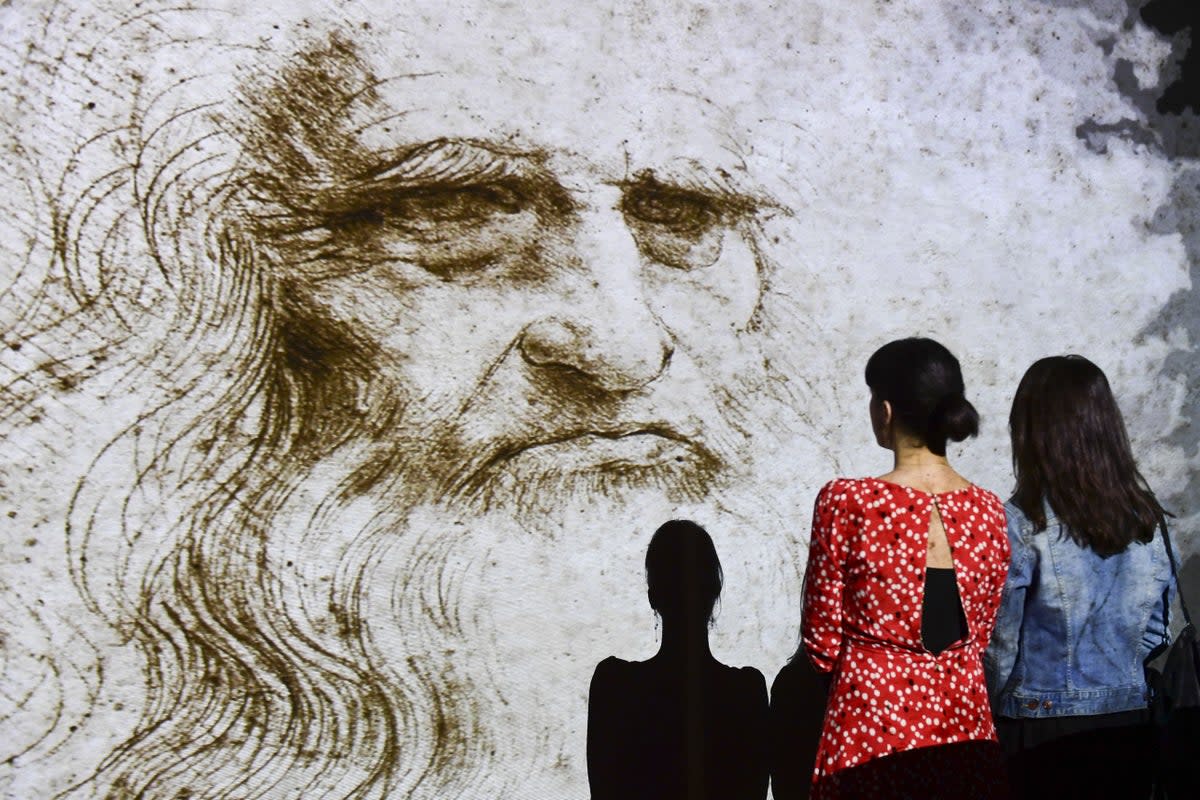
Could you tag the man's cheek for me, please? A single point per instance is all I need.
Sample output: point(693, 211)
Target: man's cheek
point(707, 306)
point(453, 341)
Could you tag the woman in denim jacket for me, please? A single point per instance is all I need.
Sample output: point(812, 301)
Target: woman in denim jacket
point(1086, 595)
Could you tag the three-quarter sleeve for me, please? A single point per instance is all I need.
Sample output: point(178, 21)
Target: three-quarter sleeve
point(824, 580)
point(996, 578)
point(1001, 655)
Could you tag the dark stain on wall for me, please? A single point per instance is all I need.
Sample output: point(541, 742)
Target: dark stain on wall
point(1170, 124)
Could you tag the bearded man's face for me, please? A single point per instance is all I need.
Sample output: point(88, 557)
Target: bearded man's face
point(536, 310)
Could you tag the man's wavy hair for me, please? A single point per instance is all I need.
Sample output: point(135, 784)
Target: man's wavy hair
point(176, 229)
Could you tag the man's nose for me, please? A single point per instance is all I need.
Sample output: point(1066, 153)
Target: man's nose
point(606, 333)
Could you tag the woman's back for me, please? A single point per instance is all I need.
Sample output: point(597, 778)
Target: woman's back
point(1087, 592)
point(1075, 626)
point(1084, 601)
point(658, 731)
point(906, 684)
point(878, 534)
point(864, 595)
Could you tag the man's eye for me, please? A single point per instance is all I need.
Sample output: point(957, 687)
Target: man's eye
point(463, 204)
point(683, 211)
point(675, 227)
point(448, 230)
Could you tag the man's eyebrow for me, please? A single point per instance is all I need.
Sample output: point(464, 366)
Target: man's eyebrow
point(428, 166)
point(688, 175)
point(453, 162)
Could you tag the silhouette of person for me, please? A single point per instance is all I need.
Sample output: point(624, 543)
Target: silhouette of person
point(798, 698)
point(681, 724)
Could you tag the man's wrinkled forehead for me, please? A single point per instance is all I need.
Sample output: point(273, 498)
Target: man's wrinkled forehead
point(585, 95)
point(608, 135)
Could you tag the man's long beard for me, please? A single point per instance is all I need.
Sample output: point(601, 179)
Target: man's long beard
point(349, 641)
point(485, 625)
point(475, 625)
point(491, 623)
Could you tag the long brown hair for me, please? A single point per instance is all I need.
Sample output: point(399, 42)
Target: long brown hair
point(1070, 449)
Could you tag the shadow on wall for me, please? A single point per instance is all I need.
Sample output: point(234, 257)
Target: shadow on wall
point(1172, 109)
point(1172, 114)
point(680, 724)
point(1170, 124)
point(798, 698)
point(1178, 18)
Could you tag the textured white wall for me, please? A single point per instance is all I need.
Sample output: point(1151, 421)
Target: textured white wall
point(988, 173)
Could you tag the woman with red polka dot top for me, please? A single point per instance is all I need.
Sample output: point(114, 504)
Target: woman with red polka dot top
point(904, 578)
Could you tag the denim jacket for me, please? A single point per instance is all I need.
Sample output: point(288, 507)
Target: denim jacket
point(1074, 628)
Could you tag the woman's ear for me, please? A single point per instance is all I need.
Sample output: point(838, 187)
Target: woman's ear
point(886, 435)
point(881, 421)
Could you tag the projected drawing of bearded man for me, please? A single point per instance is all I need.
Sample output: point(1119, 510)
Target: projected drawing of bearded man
point(408, 293)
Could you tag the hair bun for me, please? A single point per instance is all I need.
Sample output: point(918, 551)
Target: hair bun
point(955, 417)
point(923, 382)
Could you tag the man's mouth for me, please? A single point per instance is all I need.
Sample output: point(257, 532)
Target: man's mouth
point(536, 473)
point(617, 451)
point(605, 451)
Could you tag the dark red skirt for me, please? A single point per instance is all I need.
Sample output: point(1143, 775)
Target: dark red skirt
point(946, 772)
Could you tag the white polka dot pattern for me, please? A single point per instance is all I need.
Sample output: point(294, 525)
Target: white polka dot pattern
point(863, 593)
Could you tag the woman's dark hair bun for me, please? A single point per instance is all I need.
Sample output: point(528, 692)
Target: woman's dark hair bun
point(923, 382)
point(954, 418)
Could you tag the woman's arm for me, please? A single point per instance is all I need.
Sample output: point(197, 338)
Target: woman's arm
point(1158, 631)
point(605, 733)
point(996, 576)
point(824, 580)
point(1001, 655)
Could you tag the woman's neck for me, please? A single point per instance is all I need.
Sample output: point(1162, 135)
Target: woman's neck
point(917, 466)
point(686, 639)
point(918, 458)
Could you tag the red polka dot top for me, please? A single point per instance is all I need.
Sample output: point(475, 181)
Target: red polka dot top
point(863, 593)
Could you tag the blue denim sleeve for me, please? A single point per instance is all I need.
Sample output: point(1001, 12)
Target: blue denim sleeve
point(1001, 655)
point(1158, 630)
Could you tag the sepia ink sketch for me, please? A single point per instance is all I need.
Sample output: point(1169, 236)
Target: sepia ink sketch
point(356, 322)
point(352, 351)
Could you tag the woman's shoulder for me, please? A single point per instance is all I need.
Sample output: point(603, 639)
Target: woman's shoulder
point(987, 509)
point(845, 498)
point(842, 490)
point(613, 667)
point(743, 680)
point(988, 499)
point(1016, 516)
